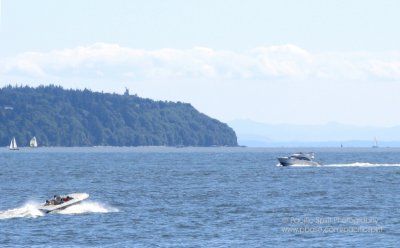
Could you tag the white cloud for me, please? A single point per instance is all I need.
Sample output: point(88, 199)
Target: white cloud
point(285, 61)
point(385, 69)
point(18, 65)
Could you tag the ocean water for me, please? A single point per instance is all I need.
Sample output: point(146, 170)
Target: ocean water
point(200, 197)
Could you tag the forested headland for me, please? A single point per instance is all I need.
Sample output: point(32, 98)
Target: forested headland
point(64, 117)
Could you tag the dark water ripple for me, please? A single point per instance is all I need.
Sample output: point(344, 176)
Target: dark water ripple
point(201, 197)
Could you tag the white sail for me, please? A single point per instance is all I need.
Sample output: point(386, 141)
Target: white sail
point(33, 142)
point(376, 143)
point(13, 144)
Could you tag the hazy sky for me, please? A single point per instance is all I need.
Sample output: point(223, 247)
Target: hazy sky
point(286, 61)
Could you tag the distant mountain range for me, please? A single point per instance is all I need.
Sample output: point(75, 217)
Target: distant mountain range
point(255, 134)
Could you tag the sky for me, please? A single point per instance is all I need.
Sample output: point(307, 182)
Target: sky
point(289, 61)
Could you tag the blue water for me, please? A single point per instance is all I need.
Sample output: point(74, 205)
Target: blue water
point(200, 197)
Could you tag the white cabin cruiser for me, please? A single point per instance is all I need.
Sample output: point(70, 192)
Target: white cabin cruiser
point(299, 159)
point(59, 202)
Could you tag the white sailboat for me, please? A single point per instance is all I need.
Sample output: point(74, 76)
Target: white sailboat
point(33, 142)
point(13, 144)
point(376, 143)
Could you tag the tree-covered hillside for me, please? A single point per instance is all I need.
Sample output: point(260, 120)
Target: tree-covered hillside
point(59, 117)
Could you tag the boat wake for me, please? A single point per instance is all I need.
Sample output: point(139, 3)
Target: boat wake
point(357, 164)
point(88, 207)
point(31, 210)
point(362, 164)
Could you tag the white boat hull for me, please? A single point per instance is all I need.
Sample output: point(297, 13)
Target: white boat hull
point(290, 161)
point(76, 198)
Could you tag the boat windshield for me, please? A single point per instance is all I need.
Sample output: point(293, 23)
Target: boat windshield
point(303, 156)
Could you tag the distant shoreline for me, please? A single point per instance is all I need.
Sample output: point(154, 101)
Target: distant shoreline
point(220, 148)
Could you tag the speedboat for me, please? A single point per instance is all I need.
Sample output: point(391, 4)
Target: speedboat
point(60, 202)
point(299, 159)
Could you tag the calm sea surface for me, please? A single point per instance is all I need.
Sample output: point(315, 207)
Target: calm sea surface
point(200, 197)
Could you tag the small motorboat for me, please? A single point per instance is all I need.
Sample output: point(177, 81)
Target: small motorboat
point(60, 202)
point(299, 159)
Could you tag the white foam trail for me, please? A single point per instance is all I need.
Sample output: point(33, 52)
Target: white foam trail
point(29, 210)
point(361, 164)
point(357, 164)
point(88, 207)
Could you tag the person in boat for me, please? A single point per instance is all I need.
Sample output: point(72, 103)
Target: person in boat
point(67, 198)
point(57, 200)
point(49, 202)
